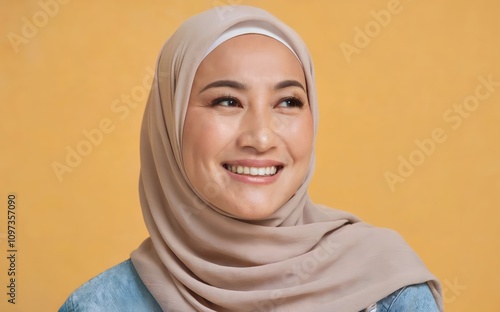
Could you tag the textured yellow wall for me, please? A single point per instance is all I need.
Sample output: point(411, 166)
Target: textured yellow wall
point(409, 131)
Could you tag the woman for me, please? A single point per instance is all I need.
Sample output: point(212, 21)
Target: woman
point(226, 159)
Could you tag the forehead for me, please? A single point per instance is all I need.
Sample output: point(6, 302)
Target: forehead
point(251, 54)
point(253, 42)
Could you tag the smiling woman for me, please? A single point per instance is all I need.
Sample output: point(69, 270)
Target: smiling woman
point(248, 128)
point(226, 160)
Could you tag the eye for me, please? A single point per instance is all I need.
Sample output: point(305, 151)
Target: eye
point(225, 101)
point(291, 102)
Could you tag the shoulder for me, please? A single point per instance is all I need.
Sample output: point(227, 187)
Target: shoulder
point(413, 298)
point(116, 289)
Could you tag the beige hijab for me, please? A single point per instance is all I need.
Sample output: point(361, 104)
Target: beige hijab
point(304, 257)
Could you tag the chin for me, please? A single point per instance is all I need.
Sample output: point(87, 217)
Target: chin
point(251, 213)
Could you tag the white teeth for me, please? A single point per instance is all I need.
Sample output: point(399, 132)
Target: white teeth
point(254, 171)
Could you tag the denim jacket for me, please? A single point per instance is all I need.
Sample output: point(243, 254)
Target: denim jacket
point(120, 289)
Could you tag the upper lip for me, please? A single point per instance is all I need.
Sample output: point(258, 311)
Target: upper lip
point(257, 163)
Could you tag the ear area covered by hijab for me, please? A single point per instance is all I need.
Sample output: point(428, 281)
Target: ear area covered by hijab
point(304, 257)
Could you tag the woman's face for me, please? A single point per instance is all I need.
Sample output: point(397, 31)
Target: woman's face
point(248, 133)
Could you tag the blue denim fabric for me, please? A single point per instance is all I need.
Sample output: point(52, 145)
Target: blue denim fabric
point(117, 289)
point(121, 289)
point(414, 298)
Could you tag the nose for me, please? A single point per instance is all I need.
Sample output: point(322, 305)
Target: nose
point(257, 130)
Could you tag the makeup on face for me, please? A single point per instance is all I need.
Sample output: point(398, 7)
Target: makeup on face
point(248, 133)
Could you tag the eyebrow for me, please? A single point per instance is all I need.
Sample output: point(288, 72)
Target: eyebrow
point(289, 83)
point(225, 83)
point(239, 86)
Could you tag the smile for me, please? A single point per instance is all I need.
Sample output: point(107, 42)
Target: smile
point(252, 171)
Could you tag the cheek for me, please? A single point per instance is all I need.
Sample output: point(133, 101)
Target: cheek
point(204, 138)
point(300, 136)
point(191, 145)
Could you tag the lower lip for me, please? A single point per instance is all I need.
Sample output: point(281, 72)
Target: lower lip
point(254, 179)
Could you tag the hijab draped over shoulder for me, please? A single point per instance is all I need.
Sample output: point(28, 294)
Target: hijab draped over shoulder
point(304, 257)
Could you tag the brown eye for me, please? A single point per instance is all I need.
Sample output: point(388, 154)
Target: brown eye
point(225, 102)
point(291, 102)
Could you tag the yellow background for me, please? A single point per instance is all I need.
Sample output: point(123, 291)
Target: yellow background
point(394, 90)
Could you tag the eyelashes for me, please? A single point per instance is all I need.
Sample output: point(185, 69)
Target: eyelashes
point(231, 101)
point(293, 101)
point(225, 101)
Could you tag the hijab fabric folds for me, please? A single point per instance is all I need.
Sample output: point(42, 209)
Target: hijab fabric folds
point(304, 257)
